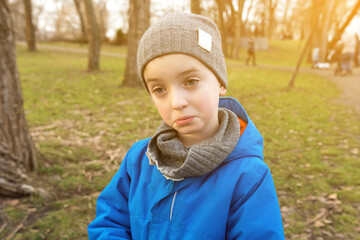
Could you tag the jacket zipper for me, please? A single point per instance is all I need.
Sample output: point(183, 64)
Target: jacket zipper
point(172, 205)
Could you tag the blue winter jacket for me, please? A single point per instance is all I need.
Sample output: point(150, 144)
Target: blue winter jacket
point(237, 200)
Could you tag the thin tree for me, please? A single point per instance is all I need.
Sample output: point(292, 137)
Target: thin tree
point(139, 18)
point(272, 20)
point(30, 29)
point(238, 29)
point(249, 9)
point(293, 77)
point(102, 14)
point(81, 18)
point(222, 25)
point(341, 30)
point(93, 37)
point(314, 12)
point(324, 31)
point(17, 156)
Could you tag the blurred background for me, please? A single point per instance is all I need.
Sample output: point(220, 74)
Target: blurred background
point(72, 104)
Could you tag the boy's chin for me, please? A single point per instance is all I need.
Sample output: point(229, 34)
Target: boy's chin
point(187, 130)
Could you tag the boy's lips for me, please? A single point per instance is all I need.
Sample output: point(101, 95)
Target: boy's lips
point(184, 120)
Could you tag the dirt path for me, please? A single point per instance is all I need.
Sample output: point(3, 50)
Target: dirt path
point(349, 85)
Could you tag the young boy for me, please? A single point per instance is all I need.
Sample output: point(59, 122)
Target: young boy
point(201, 175)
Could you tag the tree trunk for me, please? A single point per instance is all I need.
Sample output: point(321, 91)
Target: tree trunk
point(195, 6)
point(272, 8)
point(285, 17)
point(293, 77)
point(263, 24)
point(17, 156)
point(314, 24)
point(103, 17)
point(313, 29)
point(325, 31)
point(30, 30)
point(82, 22)
point(340, 31)
point(248, 13)
point(93, 36)
point(221, 7)
point(238, 29)
point(139, 18)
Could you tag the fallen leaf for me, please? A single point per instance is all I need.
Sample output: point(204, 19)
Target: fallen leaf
point(340, 235)
point(13, 202)
point(333, 196)
point(327, 221)
point(319, 224)
point(311, 177)
point(326, 233)
point(354, 151)
point(285, 209)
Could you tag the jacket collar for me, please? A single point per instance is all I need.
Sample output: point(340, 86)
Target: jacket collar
point(250, 143)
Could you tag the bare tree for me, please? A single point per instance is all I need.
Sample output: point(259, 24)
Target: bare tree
point(222, 25)
point(30, 29)
point(249, 9)
point(81, 18)
point(324, 31)
point(93, 36)
point(272, 20)
point(17, 156)
point(238, 29)
point(341, 29)
point(315, 10)
point(195, 6)
point(18, 19)
point(139, 18)
point(102, 16)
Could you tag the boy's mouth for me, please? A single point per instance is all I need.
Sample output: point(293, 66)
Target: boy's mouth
point(184, 120)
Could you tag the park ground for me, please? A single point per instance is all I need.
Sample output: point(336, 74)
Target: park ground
point(83, 124)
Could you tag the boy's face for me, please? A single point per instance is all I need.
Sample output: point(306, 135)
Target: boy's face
point(186, 94)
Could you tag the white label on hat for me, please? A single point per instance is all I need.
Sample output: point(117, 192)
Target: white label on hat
point(204, 40)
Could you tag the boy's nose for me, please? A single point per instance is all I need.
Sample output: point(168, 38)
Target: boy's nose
point(179, 100)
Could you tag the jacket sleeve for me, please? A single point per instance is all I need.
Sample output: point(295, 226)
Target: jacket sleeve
point(255, 212)
point(112, 213)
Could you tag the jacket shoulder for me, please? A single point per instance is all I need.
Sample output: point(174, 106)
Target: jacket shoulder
point(136, 152)
point(139, 145)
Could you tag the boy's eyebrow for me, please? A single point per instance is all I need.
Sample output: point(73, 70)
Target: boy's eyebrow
point(152, 80)
point(193, 69)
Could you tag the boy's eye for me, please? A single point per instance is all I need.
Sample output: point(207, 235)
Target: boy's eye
point(191, 82)
point(159, 90)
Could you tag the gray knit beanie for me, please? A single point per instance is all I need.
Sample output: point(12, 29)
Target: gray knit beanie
point(184, 33)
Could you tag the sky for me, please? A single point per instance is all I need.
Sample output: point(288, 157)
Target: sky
point(118, 13)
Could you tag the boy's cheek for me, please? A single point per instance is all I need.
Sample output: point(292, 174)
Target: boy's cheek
point(162, 110)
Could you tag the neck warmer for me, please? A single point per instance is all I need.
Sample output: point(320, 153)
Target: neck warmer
point(174, 161)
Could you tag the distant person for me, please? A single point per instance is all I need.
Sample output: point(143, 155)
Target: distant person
point(315, 57)
point(201, 175)
point(251, 51)
point(348, 52)
point(337, 57)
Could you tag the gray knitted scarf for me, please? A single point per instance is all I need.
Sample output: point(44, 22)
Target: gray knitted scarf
point(176, 162)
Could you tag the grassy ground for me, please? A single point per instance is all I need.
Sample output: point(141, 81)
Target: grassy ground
point(78, 45)
point(83, 124)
